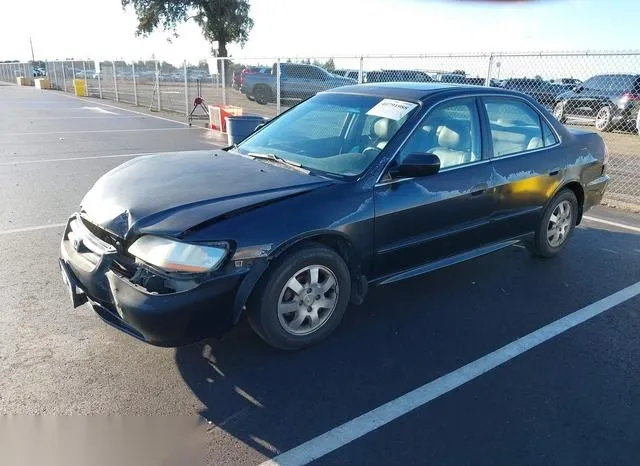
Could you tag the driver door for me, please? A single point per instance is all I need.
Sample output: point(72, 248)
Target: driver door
point(420, 220)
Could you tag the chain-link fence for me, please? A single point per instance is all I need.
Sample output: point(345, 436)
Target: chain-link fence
point(599, 91)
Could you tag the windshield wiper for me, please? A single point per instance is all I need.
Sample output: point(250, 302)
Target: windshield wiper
point(280, 160)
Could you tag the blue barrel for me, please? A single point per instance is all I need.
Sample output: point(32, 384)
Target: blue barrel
point(239, 127)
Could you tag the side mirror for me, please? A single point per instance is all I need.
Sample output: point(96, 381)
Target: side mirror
point(416, 164)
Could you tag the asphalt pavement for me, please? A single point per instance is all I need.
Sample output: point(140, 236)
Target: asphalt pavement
point(571, 399)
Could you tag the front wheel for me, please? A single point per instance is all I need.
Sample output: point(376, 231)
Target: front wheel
point(558, 112)
point(301, 299)
point(604, 119)
point(557, 224)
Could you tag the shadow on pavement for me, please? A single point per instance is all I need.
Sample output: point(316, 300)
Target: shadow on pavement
point(403, 336)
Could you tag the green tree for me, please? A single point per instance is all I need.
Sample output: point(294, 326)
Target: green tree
point(329, 65)
point(222, 21)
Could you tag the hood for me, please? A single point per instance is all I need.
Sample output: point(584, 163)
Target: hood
point(166, 194)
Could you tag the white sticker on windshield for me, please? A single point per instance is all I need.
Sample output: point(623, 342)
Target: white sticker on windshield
point(392, 109)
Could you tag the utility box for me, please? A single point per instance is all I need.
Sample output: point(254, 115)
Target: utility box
point(218, 113)
point(42, 83)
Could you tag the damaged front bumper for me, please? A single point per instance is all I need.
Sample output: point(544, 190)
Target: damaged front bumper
point(172, 314)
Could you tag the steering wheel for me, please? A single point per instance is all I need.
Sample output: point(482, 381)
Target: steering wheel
point(371, 152)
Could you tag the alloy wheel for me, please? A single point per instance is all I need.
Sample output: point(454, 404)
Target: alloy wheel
point(559, 224)
point(308, 300)
point(603, 118)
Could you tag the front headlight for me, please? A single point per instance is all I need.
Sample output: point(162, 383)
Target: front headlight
point(175, 256)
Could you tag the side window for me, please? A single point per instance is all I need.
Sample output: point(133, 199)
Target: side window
point(547, 135)
point(451, 131)
point(314, 73)
point(293, 71)
point(515, 126)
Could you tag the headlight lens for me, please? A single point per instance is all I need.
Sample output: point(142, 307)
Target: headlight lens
point(175, 256)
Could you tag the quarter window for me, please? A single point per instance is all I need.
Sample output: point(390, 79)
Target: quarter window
point(516, 127)
point(451, 131)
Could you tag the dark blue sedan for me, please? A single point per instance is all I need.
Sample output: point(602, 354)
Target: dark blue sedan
point(358, 186)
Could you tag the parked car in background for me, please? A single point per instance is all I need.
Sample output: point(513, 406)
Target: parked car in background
point(239, 74)
point(570, 81)
point(543, 91)
point(609, 101)
point(297, 81)
point(397, 76)
point(461, 79)
point(358, 187)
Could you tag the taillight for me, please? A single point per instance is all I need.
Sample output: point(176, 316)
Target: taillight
point(630, 96)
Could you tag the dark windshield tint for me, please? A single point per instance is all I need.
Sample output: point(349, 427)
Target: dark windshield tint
point(335, 133)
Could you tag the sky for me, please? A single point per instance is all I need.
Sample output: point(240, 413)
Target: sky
point(306, 28)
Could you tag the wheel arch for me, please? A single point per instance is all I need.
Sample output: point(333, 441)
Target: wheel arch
point(335, 240)
point(577, 189)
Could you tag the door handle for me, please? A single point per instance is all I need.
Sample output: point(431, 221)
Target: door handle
point(554, 172)
point(479, 189)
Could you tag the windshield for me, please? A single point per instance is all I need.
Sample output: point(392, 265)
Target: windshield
point(339, 134)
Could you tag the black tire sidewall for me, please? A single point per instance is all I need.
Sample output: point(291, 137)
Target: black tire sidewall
point(262, 95)
point(541, 244)
point(263, 312)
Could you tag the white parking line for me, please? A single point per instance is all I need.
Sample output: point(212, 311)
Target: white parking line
point(378, 417)
point(614, 224)
point(27, 229)
point(130, 111)
point(100, 131)
point(73, 159)
point(69, 159)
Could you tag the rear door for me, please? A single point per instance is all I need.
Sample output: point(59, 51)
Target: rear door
point(528, 164)
point(419, 220)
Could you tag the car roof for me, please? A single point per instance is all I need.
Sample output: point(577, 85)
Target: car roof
point(415, 90)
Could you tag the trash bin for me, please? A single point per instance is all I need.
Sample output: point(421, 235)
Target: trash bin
point(239, 127)
point(79, 87)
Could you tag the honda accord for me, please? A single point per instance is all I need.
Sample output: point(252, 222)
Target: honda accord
point(356, 187)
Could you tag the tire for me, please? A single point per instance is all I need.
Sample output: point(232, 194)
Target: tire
point(604, 119)
point(543, 245)
point(558, 112)
point(262, 94)
point(282, 317)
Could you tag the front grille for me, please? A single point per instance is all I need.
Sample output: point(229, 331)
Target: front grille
point(101, 233)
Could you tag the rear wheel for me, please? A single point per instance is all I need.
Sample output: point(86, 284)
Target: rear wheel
point(604, 119)
point(262, 94)
point(557, 225)
point(301, 299)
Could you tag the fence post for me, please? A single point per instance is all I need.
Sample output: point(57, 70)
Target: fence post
point(73, 70)
point(186, 90)
point(84, 73)
point(27, 75)
point(64, 79)
point(135, 85)
point(158, 87)
point(55, 75)
point(115, 80)
point(224, 81)
point(99, 73)
point(278, 86)
point(360, 72)
point(489, 70)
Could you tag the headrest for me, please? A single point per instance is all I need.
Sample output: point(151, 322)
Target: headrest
point(448, 138)
point(384, 128)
